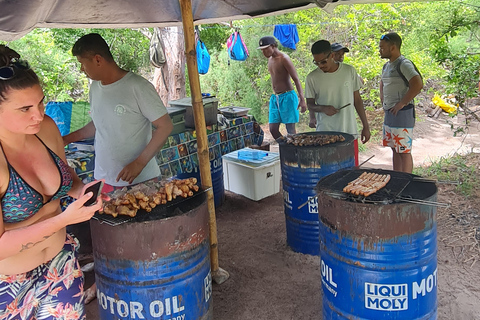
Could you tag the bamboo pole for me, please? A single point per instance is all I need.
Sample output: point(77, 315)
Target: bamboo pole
point(219, 275)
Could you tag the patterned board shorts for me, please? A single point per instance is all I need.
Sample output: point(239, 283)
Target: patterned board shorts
point(399, 139)
point(53, 290)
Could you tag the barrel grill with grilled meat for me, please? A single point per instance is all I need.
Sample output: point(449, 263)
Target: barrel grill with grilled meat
point(156, 265)
point(302, 166)
point(378, 253)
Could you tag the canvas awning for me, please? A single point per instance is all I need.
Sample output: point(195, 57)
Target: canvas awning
point(18, 17)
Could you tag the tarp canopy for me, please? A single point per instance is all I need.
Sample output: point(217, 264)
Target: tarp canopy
point(18, 17)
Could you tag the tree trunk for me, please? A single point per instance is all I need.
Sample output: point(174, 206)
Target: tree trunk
point(169, 80)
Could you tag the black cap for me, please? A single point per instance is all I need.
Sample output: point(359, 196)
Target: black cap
point(337, 47)
point(266, 41)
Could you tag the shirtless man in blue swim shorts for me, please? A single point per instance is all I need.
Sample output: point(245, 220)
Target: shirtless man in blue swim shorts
point(284, 103)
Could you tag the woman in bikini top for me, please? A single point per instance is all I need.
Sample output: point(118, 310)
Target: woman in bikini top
point(33, 177)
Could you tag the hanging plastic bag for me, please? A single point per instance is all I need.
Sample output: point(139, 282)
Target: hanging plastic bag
point(203, 57)
point(237, 50)
point(157, 53)
point(61, 113)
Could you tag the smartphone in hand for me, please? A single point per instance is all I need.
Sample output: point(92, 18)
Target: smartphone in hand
point(95, 187)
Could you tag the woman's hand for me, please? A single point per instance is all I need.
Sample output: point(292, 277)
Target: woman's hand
point(76, 212)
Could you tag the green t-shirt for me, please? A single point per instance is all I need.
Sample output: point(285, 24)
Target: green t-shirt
point(335, 89)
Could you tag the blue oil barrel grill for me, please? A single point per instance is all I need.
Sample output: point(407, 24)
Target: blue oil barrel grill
point(302, 167)
point(378, 253)
point(156, 265)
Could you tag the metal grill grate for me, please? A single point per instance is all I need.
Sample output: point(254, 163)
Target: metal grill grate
point(402, 187)
point(334, 184)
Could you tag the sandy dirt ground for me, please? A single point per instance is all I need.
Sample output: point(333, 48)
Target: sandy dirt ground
point(268, 281)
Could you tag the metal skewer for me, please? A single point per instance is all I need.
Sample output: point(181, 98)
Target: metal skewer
point(306, 202)
point(361, 164)
point(344, 106)
point(421, 179)
point(425, 202)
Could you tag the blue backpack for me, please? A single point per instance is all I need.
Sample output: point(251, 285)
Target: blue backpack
point(203, 57)
point(237, 50)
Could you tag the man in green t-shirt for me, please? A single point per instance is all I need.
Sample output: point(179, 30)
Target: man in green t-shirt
point(328, 88)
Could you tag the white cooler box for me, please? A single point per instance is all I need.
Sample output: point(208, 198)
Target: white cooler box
point(252, 180)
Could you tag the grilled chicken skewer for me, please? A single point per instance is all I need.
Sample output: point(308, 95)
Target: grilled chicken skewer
point(129, 203)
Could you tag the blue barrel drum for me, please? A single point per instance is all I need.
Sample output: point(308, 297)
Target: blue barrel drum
point(302, 166)
point(157, 267)
point(216, 170)
point(379, 260)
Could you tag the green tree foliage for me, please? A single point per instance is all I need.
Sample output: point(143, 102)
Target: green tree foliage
point(214, 36)
point(454, 44)
point(56, 68)
point(49, 53)
point(129, 46)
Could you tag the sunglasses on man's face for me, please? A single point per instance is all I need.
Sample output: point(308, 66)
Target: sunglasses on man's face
point(322, 62)
point(8, 72)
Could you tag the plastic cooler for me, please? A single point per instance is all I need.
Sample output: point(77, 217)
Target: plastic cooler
point(253, 178)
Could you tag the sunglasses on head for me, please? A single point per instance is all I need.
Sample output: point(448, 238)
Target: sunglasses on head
point(384, 37)
point(8, 72)
point(324, 61)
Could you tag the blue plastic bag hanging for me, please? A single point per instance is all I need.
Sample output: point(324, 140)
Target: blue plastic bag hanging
point(203, 57)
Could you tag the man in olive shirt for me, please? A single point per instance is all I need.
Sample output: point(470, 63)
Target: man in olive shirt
point(396, 95)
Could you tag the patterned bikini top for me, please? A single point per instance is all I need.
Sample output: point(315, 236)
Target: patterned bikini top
point(21, 201)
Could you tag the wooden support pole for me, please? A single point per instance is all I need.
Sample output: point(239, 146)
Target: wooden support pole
point(218, 274)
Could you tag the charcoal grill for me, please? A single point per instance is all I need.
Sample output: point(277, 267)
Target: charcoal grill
point(172, 208)
point(402, 187)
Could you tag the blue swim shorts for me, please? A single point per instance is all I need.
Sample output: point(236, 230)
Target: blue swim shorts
point(283, 108)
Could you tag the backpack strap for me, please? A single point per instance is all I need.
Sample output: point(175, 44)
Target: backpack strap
point(233, 38)
point(401, 74)
point(400, 71)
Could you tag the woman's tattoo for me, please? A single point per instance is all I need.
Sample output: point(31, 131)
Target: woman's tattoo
point(31, 244)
